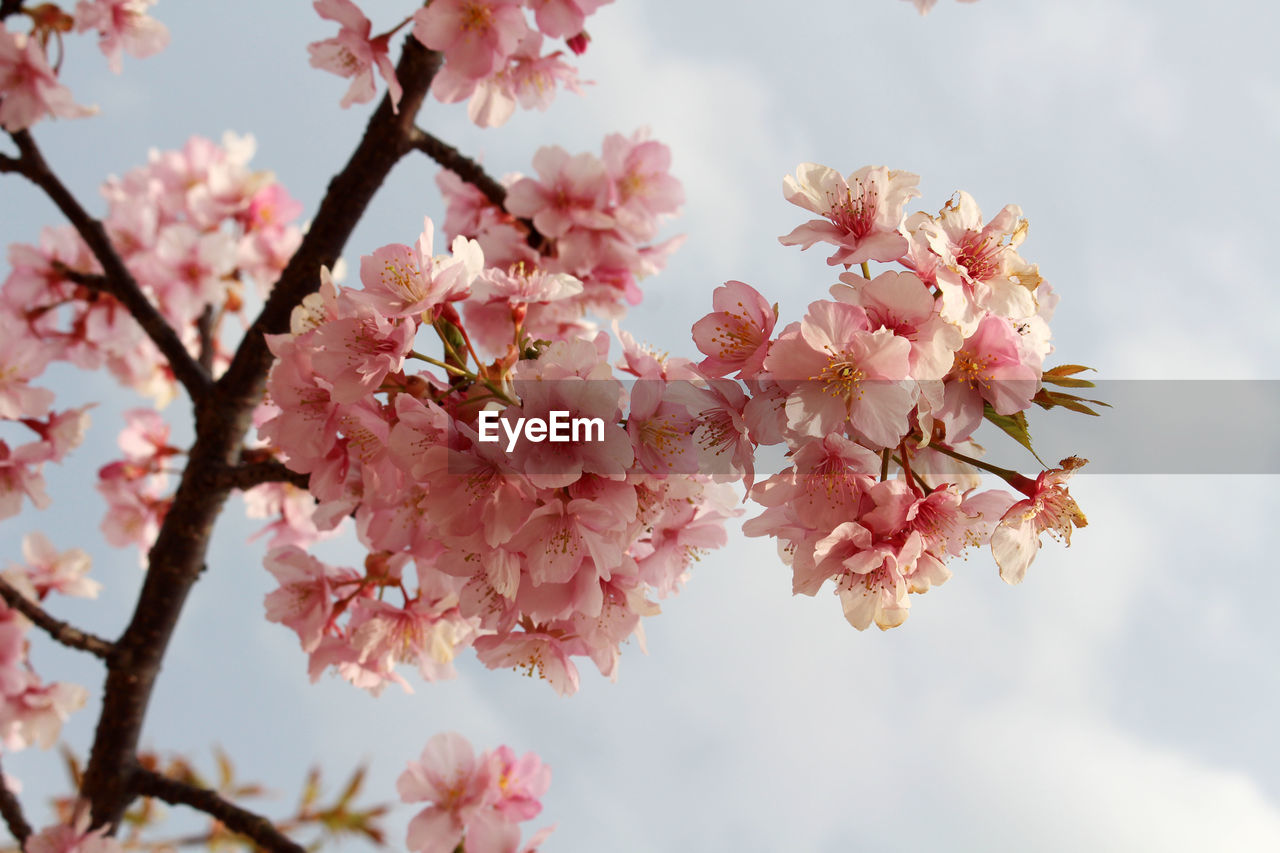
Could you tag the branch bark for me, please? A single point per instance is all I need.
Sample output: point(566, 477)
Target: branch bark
point(253, 826)
point(473, 173)
point(246, 475)
point(222, 418)
point(119, 282)
point(61, 631)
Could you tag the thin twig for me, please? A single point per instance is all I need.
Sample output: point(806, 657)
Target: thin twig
point(253, 826)
point(246, 475)
point(11, 810)
point(119, 282)
point(473, 173)
point(64, 633)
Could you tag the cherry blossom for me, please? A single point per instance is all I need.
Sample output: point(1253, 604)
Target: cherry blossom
point(29, 89)
point(123, 27)
point(354, 53)
point(1047, 507)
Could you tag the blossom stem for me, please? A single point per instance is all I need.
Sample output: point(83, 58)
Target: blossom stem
point(494, 390)
point(866, 271)
point(1013, 478)
point(906, 466)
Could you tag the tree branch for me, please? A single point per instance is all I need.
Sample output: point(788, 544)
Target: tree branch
point(222, 418)
point(11, 810)
point(473, 173)
point(253, 826)
point(119, 282)
point(461, 165)
point(61, 631)
point(246, 475)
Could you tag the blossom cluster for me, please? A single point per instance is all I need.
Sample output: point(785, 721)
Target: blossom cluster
point(596, 217)
point(476, 801)
point(493, 56)
point(531, 558)
point(29, 85)
point(194, 228)
point(534, 557)
point(878, 390)
point(31, 711)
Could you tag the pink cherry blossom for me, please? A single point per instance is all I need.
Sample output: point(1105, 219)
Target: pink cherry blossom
point(528, 78)
point(47, 570)
point(74, 837)
point(123, 26)
point(735, 337)
point(988, 368)
point(457, 784)
point(900, 302)
point(838, 370)
point(573, 191)
point(476, 36)
point(358, 350)
point(29, 89)
point(563, 18)
point(400, 281)
point(304, 601)
point(354, 53)
point(976, 267)
point(1048, 507)
point(862, 213)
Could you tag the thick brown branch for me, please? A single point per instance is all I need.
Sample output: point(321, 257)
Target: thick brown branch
point(223, 418)
point(120, 283)
point(246, 475)
point(11, 811)
point(386, 140)
point(253, 826)
point(473, 173)
point(66, 634)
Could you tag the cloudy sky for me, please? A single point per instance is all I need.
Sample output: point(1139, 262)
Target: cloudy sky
point(1120, 699)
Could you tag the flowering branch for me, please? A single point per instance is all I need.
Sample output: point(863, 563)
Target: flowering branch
point(11, 811)
point(222, 418)
point(471, 172)
point(253, 826)
point(118, 281)
point(64, 633)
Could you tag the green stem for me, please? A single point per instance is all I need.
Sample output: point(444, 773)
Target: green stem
point(1013, 478)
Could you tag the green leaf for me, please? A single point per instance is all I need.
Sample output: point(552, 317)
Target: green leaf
point(1047, 399)
point(1015, 426)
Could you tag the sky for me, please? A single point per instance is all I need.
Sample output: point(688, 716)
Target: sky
point(1119, 699)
